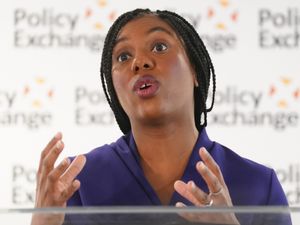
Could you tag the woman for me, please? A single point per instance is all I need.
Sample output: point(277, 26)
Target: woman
point(156, 74)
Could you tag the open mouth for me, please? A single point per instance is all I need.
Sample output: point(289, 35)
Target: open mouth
point(146, 86)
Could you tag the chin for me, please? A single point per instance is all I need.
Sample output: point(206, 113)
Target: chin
point(153, 118)
point(150, 112)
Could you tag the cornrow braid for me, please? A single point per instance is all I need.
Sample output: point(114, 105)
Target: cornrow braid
point(195, 49)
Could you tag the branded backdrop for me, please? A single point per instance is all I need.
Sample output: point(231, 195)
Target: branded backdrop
point(49, 82)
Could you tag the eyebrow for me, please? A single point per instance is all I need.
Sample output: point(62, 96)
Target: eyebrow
point(160, 29)
point(151, 30)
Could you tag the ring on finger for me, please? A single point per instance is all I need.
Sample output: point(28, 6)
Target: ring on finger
point(215, 193)
point(210, 203)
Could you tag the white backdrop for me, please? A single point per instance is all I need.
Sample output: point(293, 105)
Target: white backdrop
point(49, 81)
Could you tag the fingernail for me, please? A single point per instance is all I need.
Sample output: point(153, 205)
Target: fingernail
point(76, 183)
point(192, 185)
point(57, 135)
point(201, 165)
point(180, 204)
point(204, 150)
point(58, 144)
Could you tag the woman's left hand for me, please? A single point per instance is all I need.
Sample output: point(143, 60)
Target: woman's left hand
point(218, 192)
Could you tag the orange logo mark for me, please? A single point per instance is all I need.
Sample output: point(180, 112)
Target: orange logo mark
point(221, 26)
point(36, 104)
point(297, 93)
point(102, 3)
point(282, 103)
point(40, 80)
point(26, 90)
point(287, 92)
point(224, 3)
point(97, 20)
point(210, 13)
point(233, 16)
point(98, 25)
point(50, 93)
point(285, 80)
point(37, 93)
point(88, 13)
point(272, 91)
point(112, 16)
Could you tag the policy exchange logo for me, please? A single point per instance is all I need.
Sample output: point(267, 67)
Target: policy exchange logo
point(28, 106)
point(275, 106)
point(95, 16)
point(55, 27)
point(279, 28)
point(223, 16)
point(37, 94)
point(285, 93)
point(219, 22)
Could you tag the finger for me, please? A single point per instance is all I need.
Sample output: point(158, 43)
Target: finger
point(183, 190)
point(184, 215)
point(200, 195)
point(47, 164)
point(55, 174)
point(44, 153)
point(188, 216)
point(49, 161)
point(74, 169)
point(211, 164)
point(211, 180)
point(75, 185)
point(57, 136)
point(180, 205)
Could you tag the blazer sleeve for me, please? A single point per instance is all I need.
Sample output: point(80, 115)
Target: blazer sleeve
point(276, 193)
point(276, 197)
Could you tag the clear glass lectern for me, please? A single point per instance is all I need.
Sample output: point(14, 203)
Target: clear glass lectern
point(156, 215)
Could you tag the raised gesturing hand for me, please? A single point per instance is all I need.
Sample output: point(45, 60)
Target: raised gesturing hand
point(218, 192)
point(55, 185)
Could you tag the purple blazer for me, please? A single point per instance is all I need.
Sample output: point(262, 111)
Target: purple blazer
point(113, 176)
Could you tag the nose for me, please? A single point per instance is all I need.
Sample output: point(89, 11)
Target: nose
point(142, 63)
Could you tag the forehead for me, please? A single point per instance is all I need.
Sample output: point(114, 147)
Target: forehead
point(145, 25)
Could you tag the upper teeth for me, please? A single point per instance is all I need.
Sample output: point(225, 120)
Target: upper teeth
point(144, 85)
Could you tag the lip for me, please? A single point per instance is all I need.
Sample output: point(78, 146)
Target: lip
point(152, 86)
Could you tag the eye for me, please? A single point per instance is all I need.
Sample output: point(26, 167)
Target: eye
point(159, 47)
point(123, 57)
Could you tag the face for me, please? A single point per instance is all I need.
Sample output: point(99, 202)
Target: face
point(151, 72)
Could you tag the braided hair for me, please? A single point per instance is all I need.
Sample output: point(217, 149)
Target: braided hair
point(195, 49)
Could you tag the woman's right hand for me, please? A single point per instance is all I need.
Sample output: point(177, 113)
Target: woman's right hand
point(55, 185)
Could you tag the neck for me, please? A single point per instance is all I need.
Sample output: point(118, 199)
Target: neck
point(165, 144)
point(165, 151)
